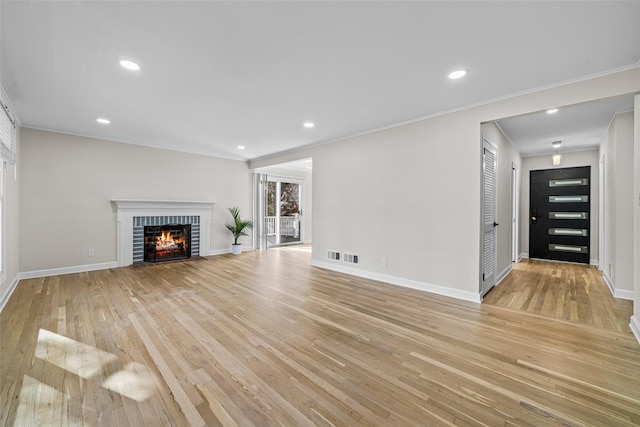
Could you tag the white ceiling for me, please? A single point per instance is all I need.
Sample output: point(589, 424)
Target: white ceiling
point(579, 127)
point(216, 75)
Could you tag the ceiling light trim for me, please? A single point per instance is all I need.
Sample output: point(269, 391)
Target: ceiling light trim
point(129, 65)
point(457, 74)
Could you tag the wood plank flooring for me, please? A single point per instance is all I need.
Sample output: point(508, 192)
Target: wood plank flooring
point(265, 339)
point(572, 292)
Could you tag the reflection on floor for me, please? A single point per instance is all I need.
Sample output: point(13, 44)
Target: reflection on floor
point(573, 292)
point(65, 370)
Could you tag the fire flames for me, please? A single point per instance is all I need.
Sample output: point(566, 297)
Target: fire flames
point(166, 242)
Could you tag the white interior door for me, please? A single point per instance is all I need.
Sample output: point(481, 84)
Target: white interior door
point(489, 220)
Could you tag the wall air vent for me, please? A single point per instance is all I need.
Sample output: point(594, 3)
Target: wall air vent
point(333, 255)
point(350, 258)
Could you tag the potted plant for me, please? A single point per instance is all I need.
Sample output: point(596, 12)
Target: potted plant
point(238, 229)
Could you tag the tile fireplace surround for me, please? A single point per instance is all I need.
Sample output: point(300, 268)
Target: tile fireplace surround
point(128, 209)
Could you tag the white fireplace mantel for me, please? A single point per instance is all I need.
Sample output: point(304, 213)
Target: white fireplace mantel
point(129, 208)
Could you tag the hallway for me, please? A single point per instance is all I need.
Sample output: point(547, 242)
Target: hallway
point(573, 292)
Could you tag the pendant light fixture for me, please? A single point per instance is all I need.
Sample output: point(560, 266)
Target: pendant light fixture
point(557, 158)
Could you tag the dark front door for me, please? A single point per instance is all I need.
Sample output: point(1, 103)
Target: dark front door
point(559, 214)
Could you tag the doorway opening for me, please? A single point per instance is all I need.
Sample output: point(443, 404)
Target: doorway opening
point(283, 212)
point(282, 204)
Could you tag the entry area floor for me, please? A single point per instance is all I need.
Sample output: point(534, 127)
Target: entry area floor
point(572, 292)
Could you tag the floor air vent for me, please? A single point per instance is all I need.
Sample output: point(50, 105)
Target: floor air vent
point(333, 255)
point(350, 258)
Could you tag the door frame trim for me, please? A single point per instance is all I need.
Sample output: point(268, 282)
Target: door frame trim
point(515, 212)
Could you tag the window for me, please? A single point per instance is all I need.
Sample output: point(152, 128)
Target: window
point(7, 134)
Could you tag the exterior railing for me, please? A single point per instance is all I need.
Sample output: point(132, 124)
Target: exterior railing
point(289, 226)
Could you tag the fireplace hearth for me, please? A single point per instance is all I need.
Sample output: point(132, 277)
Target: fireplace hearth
point(169, 242)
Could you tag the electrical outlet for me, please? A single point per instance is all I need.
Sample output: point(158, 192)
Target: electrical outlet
point(90, 252)
point(383, 262)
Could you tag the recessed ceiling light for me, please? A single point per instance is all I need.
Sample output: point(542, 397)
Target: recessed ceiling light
point(308, 125)
point(129, 65)
point(241, 147)
point(552, 111)
point(103, 121)
point(556, 144)
point(457, 74)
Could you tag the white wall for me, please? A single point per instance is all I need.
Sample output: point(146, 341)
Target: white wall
point(411, 194)
point(507, 157)
point(617, 149)
point(67, 184)
point(572, 159)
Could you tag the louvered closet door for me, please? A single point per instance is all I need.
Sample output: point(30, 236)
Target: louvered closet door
point(489, 218)
point(559, 214)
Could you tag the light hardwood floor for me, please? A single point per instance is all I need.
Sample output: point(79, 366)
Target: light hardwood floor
point(567, 291)
point(265, 339)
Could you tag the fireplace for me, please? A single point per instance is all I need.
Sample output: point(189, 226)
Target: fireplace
point(135, 215)
point(167, 242)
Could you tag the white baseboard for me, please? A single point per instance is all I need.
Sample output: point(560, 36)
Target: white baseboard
point(609, 283)
point(228, 251)
point(9, 292)
point(524, 255)
point(624, 294)
point(635, 327)
point(593, 262)
point(407, 283)
point(617, 293)
point(220, 251)
point(66, 270)
point(504, 274)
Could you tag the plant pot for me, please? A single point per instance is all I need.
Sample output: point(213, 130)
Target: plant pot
point(236, 249)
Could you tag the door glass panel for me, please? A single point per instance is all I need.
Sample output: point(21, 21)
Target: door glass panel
point(568, 215)
point(568, 199)
point(270, 218)
point(567, 232)
point(568, 182)
point(568, 248)
point(289, 212)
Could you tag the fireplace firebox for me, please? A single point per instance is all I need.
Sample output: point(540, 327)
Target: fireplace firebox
point(167, 242)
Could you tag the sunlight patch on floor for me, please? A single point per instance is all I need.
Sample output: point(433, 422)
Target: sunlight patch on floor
point(72, 356)
point(134, 381)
